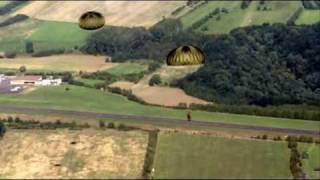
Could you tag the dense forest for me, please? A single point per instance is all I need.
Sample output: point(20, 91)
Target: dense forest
point(261, 65)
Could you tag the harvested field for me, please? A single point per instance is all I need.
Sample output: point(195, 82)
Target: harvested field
point(72, 154)
point(166, 96)
point(58, 63)
point(171, 73)
point(117, 13)
point(123, 85)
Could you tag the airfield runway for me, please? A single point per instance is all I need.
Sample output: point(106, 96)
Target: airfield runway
point(154, 120)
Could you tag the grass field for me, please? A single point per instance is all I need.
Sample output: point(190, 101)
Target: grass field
point(127, 68)
point(90, 82)
point(237, 17)
point(44, 35)
point(55, 35)
point(13, 37)
point(313, 161)
point(117, 13)
point(309, 17)
point(86, 99)
point(3, 3)
point(197, 157)
point(58, 63)
point(96, 154)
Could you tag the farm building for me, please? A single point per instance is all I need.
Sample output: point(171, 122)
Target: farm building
point(25, 80)
point(34, 80)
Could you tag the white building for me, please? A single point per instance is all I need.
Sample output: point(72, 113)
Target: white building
point(2, 77)
point(34, 80)
point(49, 82)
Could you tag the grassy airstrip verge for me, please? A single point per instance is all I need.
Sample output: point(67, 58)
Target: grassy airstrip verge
point(86, 99)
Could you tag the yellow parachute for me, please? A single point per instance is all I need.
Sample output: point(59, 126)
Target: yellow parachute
point(185, 55)
point(91, 20)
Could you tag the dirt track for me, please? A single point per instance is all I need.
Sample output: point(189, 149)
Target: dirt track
point(157, 120)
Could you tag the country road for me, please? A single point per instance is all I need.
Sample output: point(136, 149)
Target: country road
point(154, 120)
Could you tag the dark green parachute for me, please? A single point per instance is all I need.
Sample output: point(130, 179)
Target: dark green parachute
point(185, 55)
point(91, 20)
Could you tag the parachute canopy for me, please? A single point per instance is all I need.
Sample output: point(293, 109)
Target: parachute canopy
point(185, 55)
point(91, 20)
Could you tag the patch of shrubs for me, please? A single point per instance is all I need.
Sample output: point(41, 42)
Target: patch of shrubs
point(11, 6)
point(277, 138)
point(111, 125)
point(10, 55)
point(263, 137)
point(123, 127)
point(295, 160)
point(295, 16)
point(302, 138)
point(48, 52)
point(110, 78)
point(155, 80)
point(2, 129)
point(14, 19)
point(102, 124)
point(151, 151)
point(178, 10)
point(292, 112)
point(120, 127)
point(17, 123)
point(216, 12)
point(127, 93)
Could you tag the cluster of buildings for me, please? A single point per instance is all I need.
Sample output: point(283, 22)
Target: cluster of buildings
point(12, 84)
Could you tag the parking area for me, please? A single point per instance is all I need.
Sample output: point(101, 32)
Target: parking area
point(6, 87)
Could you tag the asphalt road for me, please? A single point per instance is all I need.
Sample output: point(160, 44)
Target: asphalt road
point(155, 120)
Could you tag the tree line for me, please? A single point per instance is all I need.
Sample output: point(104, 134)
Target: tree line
point(260, 65)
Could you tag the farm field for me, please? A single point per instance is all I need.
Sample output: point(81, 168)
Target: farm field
point(236, 17)
point(313, 161)
point(13, 37)
point(57, 35)
point(170, 74)
point(86, 99)
point(43, 34)
point(309, 17)
point(117, 13)
point(3, 3)
point(58, 63)
point(162, 95)
point(127, 68)
point(166, 96)
point(95, 154)
point(217, 157)
point(90, 82)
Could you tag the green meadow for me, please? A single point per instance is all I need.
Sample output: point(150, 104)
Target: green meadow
point(127, 68)
point(309, 17)
point(87, 99)
point(276, 12)
point(43, 34)
point(181, 155)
